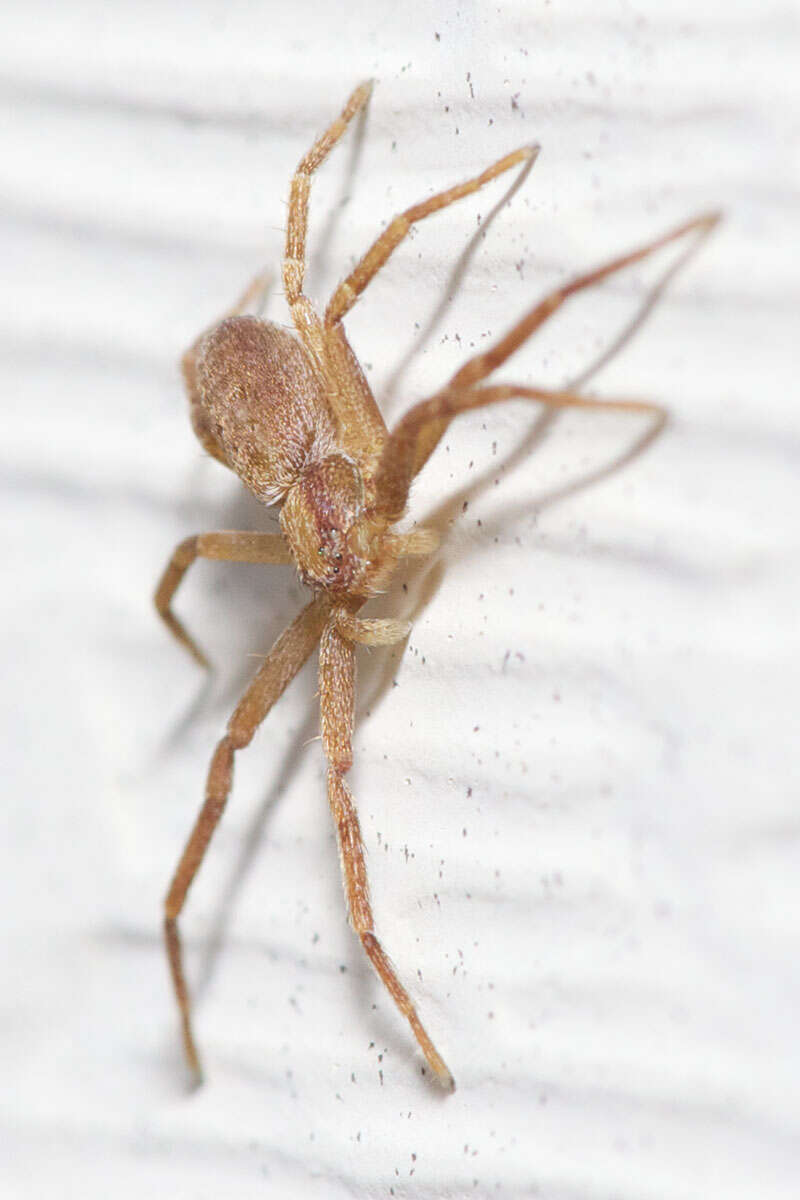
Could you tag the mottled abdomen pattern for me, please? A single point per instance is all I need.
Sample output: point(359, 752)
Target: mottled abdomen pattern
point(257, 405)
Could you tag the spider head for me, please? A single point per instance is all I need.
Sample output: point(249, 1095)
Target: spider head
point(323, 521)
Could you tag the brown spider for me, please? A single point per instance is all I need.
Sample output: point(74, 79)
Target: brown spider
point(297, 422)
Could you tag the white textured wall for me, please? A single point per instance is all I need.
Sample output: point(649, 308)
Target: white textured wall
point(580, 797)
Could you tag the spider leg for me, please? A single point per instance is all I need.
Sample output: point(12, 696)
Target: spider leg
point(402, 452)
point(254, 291)
point(368, 266)
point(337, 700)
point(477, 368)
point(418, 542)
point(360, 426)
point(362, 431)
point(417, 434)
point(374, 631)
point(284, 660)
point(266, 548)
point(305, 318)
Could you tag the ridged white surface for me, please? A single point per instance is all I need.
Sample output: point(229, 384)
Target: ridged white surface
point(579, 783)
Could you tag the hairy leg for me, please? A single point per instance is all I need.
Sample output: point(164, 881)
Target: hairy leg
point(255, 290)
point(337, 700)
point(372, 631)
point(368, 266)
point(415, 437)
point(305, 319)
point(397, 467)
point(362, 430)
point(266, 548)
point(477, 368)
point(284, 660)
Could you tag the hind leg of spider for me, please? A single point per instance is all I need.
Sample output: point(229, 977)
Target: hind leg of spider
point(337, 702)
point(415, 437)
point(228, 546)
point(477, 368)
point(284, 660)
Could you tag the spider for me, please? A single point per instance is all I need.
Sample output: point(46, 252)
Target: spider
point(296, 420)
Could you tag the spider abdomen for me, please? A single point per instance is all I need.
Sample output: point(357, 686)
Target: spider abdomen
point(257, 404)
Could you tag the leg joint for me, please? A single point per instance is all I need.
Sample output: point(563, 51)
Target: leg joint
point(239, 733)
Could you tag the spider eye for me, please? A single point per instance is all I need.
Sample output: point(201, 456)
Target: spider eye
point(336, 570)
point(321, 550)
point(338, 557)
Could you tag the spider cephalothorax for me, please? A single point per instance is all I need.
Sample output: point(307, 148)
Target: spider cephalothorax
point(323, 520)
point(295, 419)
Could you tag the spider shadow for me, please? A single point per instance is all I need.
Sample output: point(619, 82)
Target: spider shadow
point(453, 282)
point(424, 577)
point(251, 846)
